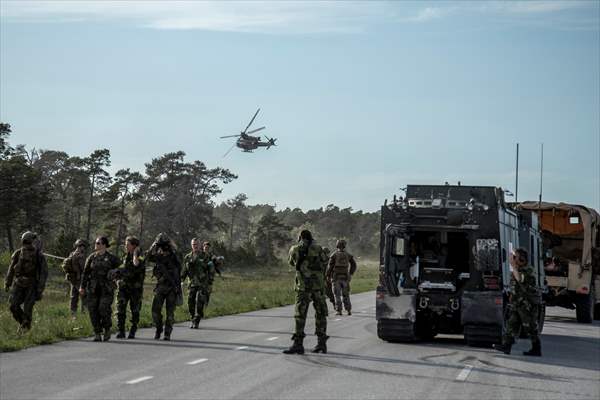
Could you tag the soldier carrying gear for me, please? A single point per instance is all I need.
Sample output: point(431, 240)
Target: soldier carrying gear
point(341, 268)
point(99, 289)
point(199, 267)
point(308, 259)
point(525, 303)
point(167, 270)
point(130, 282)
point(73, 266)
point(26, 280)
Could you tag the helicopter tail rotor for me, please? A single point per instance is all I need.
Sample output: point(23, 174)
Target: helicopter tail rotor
point(271, 142)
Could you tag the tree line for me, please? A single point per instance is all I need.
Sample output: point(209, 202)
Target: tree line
point(64, 197)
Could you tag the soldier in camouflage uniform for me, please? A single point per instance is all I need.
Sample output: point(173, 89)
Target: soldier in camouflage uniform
point(26, 280)
point(310, 263)
point(199, 267)
point(72, 266)
point(130, 281)
point(98, 288)
point(341, 268)
point(524, 305)
point(167, 270)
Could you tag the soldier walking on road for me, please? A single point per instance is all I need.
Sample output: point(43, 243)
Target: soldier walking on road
point(99, 288)
point(73, 266)
point(524, 305)
point(310, 263)
point(167, 271)
point(26, 280)
point(341, 268)
point(131, 287)
point(199, 267)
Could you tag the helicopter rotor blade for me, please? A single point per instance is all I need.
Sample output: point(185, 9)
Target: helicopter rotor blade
point(223, 137)
point(231, 148)
point(256, 130)
point(251, 121)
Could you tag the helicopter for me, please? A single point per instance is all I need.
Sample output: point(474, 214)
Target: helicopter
point(247, 142)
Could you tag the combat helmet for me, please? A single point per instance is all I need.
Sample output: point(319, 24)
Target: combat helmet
point(28, 237)
point(80, 242)
point(162, 238)
point(340, 244)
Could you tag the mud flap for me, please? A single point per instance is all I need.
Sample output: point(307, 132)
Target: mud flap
point(482, 318)
point(396, 316)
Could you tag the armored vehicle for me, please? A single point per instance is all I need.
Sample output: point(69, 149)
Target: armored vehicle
point(571, 242)
point(444, 265)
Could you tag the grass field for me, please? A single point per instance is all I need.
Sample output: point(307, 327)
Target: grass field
point(238, 291)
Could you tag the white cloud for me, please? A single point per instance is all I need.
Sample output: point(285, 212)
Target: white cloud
point(429, 13)
point(239, 16)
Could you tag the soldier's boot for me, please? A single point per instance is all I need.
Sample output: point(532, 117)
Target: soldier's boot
point(349, 312)
point(97, 337)
point(121, 334)
point(132, 331)
point(536, 349)
point(506, 345)
point(338, 311)
point(106, 334)
point(321, 346)
point(157, 334)
point(297, 347)
point(167, 336)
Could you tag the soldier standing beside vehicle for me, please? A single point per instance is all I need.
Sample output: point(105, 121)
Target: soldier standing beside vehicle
point(308, 259)
point(99, 288)
point(524, 305)
point(199, 267)
point(26, 280)
point(130, 281)
point(73, 266)
point(341, 268)
point(167, 271)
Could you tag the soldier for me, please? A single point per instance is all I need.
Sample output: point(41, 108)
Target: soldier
point(328, 283)
point(130, 281)
point(524, 308)
point(308, 259)
point(26, 280)
point(341, 268)
point(199, 267)
point(167, 271)
point(72, 266)
point(99, 289)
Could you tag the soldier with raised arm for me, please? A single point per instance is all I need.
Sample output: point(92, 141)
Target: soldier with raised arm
point(73, 266)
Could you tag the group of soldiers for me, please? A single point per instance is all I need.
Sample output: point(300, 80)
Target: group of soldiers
point(96, 277)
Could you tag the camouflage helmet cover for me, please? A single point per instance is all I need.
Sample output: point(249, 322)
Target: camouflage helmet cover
point(28, 236)
point(80, 242)
point(162, 238)
point(340, 244)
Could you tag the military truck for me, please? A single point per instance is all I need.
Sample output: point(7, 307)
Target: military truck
point(571, 242)
point(444, 262)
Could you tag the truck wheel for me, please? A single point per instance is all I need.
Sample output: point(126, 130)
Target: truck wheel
point(584, 307)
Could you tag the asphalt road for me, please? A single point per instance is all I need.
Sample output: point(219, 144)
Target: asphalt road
point(240, 357)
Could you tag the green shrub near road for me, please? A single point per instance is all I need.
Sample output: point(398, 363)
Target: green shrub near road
point(238, 291)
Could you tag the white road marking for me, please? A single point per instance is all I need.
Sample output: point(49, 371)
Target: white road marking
point(138, 380)
point(273, 338)
point(198, 361)
point(464, 374)
point(241, 347)
point(337, 319)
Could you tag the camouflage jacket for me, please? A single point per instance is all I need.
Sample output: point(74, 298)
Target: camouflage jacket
point(95, 271)
point(73, 266)
point(310, 262)
point(525, 291)
point(341, 265)
point(165, 263)
point(199, 268)
point(131, 276)
point(27, 267)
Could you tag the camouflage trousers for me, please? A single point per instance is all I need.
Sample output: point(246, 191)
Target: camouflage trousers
point(341, 289)
point(22, 296)
point(303, 299)
point(99, 304)
point(133, 296)
point(168, 297)
point(74, 297)
point(198, 297)
point(522, 316)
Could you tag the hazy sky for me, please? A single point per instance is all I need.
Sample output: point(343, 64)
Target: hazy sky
point(364, 97)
